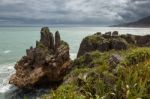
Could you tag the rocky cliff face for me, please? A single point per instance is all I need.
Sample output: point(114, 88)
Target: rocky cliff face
point(110, 41)
point(45, 63)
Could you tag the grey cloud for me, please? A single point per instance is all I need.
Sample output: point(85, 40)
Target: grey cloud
point(103, 12)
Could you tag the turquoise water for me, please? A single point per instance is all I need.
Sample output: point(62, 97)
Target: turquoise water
point(15, 40)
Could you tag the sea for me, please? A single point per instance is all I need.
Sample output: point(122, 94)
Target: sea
point(15, 40)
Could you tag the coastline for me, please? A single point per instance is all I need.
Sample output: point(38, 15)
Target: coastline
point(73, 55)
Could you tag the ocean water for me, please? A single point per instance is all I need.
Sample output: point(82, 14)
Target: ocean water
point(15, 40)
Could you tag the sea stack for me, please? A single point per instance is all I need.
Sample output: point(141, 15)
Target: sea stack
point(47, 62)
point(57, 40)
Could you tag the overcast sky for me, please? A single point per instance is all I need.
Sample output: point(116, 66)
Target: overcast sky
point(88, 12)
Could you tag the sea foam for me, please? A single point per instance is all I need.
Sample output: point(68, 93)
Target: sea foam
point(73, 56)
point(6, 51)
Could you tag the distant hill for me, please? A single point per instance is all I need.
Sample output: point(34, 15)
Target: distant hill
point(144, 22)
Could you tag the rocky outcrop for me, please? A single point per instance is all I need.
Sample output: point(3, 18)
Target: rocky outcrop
point(57, 39)
point(47, 62)
point(143, 41)
point(110, 41)
point(115, 33)
point(114, 60)
point(104, 42)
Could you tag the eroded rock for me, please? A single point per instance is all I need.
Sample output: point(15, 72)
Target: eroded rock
point(57, 39)
point(102, 43)
point(115, 33)
point(114, 60)
point(112, 41)
point(42, 64)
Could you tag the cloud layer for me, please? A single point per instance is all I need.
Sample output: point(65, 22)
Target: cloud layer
point(102, 12)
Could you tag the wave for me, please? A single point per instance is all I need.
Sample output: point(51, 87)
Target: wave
point(6, 51)
point(6, 89)
point(6, 70)
point(73, 55)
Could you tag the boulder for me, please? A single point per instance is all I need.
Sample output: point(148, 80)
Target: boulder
point(107, 35)
point(42, 65)
point(98, 33)
point(114, 60)
point(115, 33)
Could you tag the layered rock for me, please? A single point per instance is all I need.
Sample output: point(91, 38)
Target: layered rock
point(110, 41)
point(104, 42)
point(47, 62)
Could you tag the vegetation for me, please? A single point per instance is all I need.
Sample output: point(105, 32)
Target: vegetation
point(96, 39)
point(138, 55)
point(91, 77)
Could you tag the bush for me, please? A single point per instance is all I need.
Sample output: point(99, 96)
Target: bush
point(128, 82)
point(137, 55)
point(66, 91)
point(92, 59)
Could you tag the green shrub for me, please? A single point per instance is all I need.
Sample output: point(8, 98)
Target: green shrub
point(66, 91)
point(92, 59)
point(95, 39)
point(136, 81)
point(137, 55)
point(128, 82)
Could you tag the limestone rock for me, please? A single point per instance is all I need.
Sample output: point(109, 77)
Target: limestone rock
point(143, 40)
point(42, 65)
point(47, 38)
point(57, 39)
point(106, 42)
point(102, 43)
point(85, 46)
point(115, 33)
point(129, 38)
point(118, 44)
point(114, 60)
point(98, 33)
point(107, 35)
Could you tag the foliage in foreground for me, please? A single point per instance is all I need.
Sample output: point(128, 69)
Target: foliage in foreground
point(131, 79)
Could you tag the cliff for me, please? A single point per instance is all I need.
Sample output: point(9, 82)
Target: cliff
point(109, 66)
point(111, 41)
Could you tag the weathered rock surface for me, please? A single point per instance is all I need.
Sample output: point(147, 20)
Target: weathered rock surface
point(114, 60)
point(102, 43)
point(110, 41)
point(45, 63)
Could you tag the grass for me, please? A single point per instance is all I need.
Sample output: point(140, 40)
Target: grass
point(137, 55)
point(131, 79)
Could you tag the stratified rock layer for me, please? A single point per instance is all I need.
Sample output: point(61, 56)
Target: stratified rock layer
point(110, 41)
point(47, 62)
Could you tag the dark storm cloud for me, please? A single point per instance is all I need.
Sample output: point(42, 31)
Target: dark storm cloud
point(135, 9)
point(103, 12)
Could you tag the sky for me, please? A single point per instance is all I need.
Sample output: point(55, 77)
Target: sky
point(73, 12)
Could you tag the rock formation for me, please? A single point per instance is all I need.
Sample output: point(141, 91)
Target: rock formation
point(115, 33)
point(104, 42)
point(110, 41)
point(114, 60)
point(47, 62)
